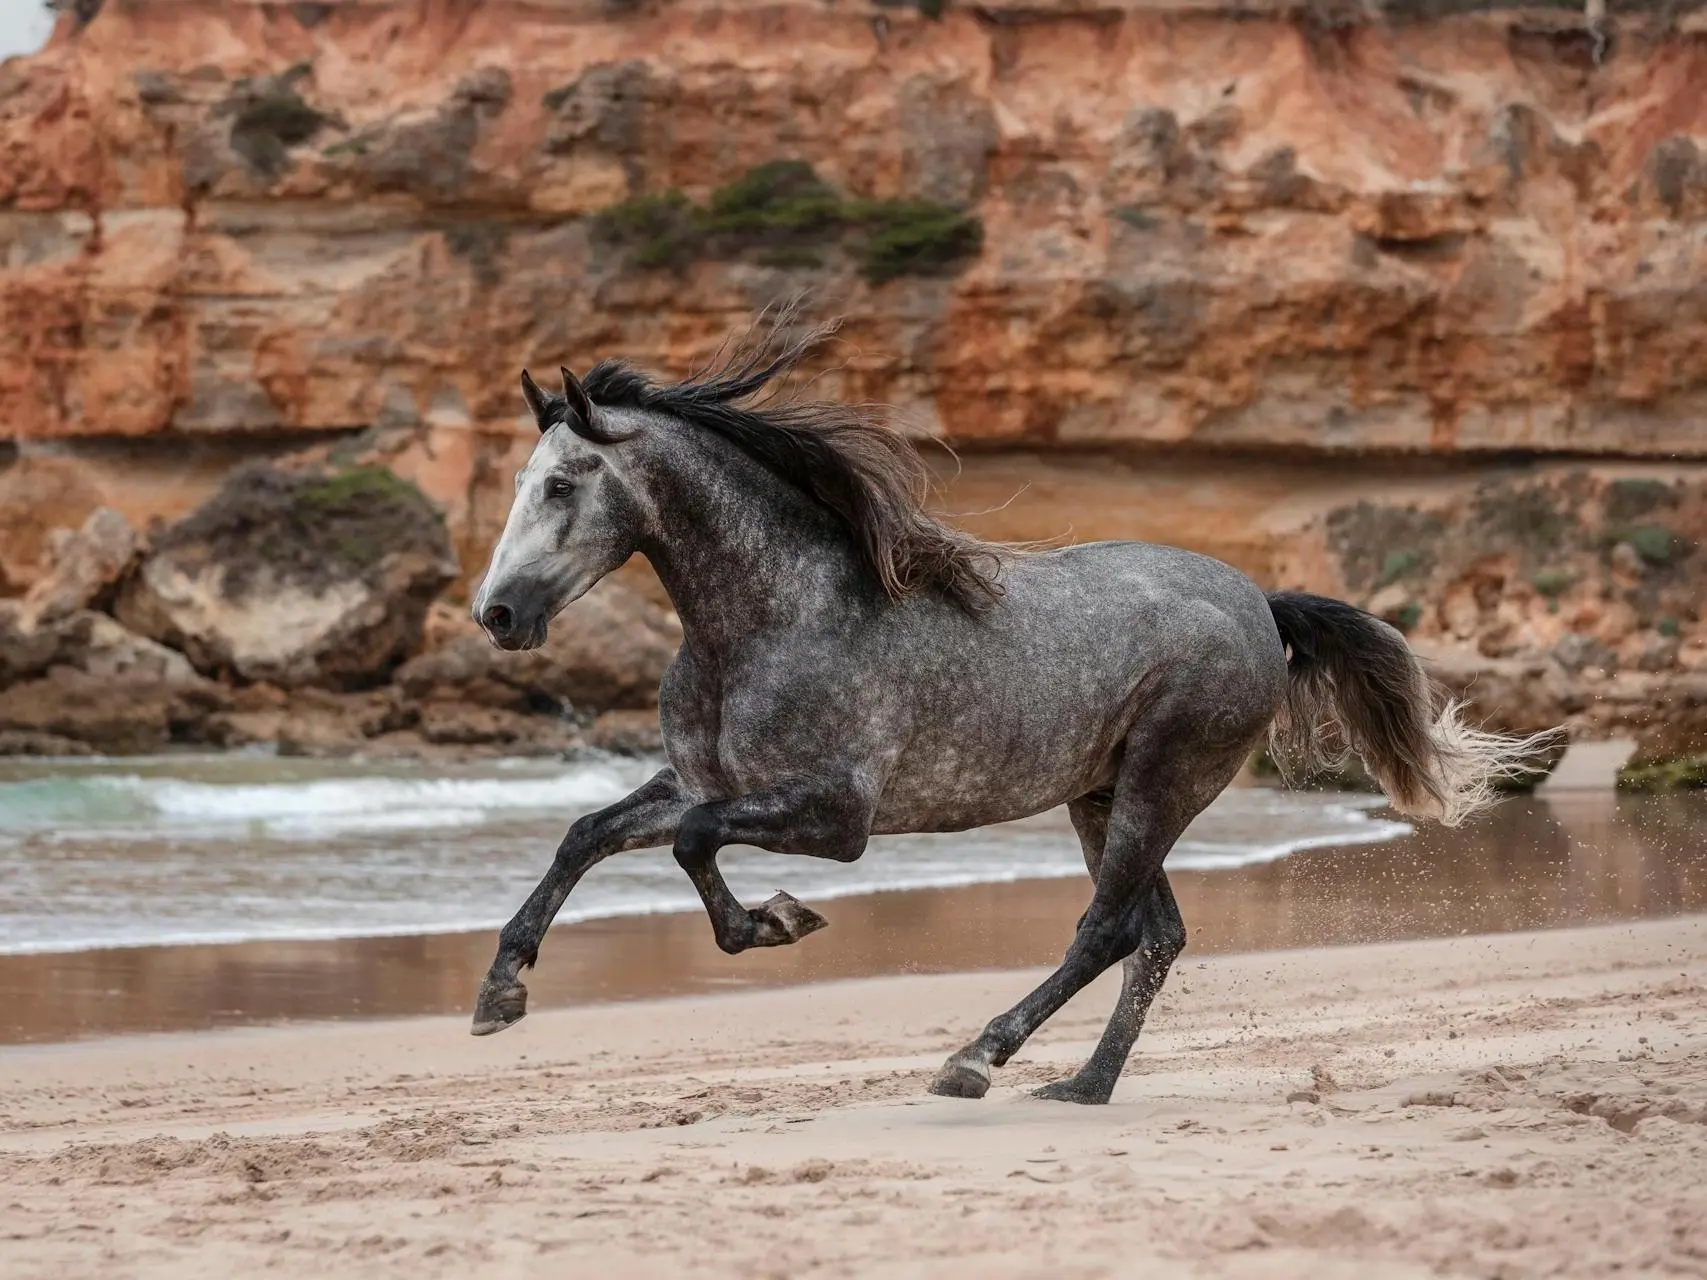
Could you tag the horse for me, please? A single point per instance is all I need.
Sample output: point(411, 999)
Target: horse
point(852, 666)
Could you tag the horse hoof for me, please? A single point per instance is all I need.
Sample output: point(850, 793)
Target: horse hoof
point(959, 1079)
point(498, 1007)
point(1071, 1090)
point(789, 917)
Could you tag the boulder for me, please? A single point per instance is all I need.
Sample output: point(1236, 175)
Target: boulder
point(308, 577)
point(86, 684)
point(25, 651)
point(605, 651)
point(82, 567)
point(117, 718)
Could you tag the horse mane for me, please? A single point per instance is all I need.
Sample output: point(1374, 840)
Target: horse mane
point(843, 457)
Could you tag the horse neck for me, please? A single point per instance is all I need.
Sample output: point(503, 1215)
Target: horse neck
point(738, 549)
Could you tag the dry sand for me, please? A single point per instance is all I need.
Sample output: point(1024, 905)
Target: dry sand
point(1524, 1104)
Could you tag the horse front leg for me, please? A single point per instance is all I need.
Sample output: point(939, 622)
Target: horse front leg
point(822, 820)
point(647, 817)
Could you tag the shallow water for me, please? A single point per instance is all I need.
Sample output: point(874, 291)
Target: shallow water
point(245, 848)
point(1529, 864)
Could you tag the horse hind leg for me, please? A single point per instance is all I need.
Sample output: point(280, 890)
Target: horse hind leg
point(1162, 940)
point(1160, 943)
point(1170, 770)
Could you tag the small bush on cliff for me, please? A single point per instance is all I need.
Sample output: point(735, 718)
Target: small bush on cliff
point(1395, 565)
point(1552, 582)
point(1531, 520)
point(915, 237)
point(660, 230)
point(1370, 539)
point(785, 210)
point(784, 196)
point(1657, 545)
point(1630, 498)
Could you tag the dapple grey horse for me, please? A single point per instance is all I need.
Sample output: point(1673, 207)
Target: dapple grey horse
point(850, 667)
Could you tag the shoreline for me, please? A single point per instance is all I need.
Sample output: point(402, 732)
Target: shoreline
point(1406, 1109)
point(1418, 886)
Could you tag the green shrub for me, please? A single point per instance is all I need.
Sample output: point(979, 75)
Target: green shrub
point(792, 258)
point(1136, 218)
point(915, 237)
point(661, 230)
point(347, 507)
point(1656, 544)
point(1395, 565)
point(1530, 520)
point(785, 210)
point(1629, 498)
point(783, 196)
point(1669, 628)
point(1686, 773)
point(1552, 582)
point(1410, 613)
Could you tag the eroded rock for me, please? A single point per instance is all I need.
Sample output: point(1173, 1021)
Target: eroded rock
point(298, 578)
point(84, 567)
point(87, 682)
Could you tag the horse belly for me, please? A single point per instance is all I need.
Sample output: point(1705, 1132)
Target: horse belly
point(954, 786)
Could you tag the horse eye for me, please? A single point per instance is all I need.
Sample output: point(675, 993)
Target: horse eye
point(558, 487)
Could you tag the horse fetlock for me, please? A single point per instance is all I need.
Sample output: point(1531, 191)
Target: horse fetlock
point(1001, 1040)
point(497, 1005)
point(962, 1076)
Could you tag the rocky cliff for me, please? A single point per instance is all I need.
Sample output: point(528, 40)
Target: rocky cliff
point(1444, 227)
point(1202, 271)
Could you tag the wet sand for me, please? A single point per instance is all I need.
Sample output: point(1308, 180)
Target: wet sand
point(1524, 1104)
point(1532, 864)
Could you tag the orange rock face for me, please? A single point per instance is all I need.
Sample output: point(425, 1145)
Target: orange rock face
point(224, 226)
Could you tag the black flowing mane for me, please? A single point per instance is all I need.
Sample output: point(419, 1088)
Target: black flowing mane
point(870, 476)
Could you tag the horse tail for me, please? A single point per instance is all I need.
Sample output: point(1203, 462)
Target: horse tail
point(1354, 686)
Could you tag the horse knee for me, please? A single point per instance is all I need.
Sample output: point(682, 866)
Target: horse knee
point(572, 849)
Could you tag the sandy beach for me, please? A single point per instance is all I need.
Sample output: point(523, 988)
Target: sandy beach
point(1506, 1105)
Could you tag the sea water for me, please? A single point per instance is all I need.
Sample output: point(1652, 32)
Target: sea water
point(230, 848)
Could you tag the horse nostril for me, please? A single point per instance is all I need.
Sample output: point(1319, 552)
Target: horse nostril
point(499, 619)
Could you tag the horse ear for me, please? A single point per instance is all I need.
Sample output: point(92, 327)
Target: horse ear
point(537, 403)
point(579, 405)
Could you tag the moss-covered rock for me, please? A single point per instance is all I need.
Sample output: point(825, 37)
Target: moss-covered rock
point(1686, 773)
point(296, 577)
